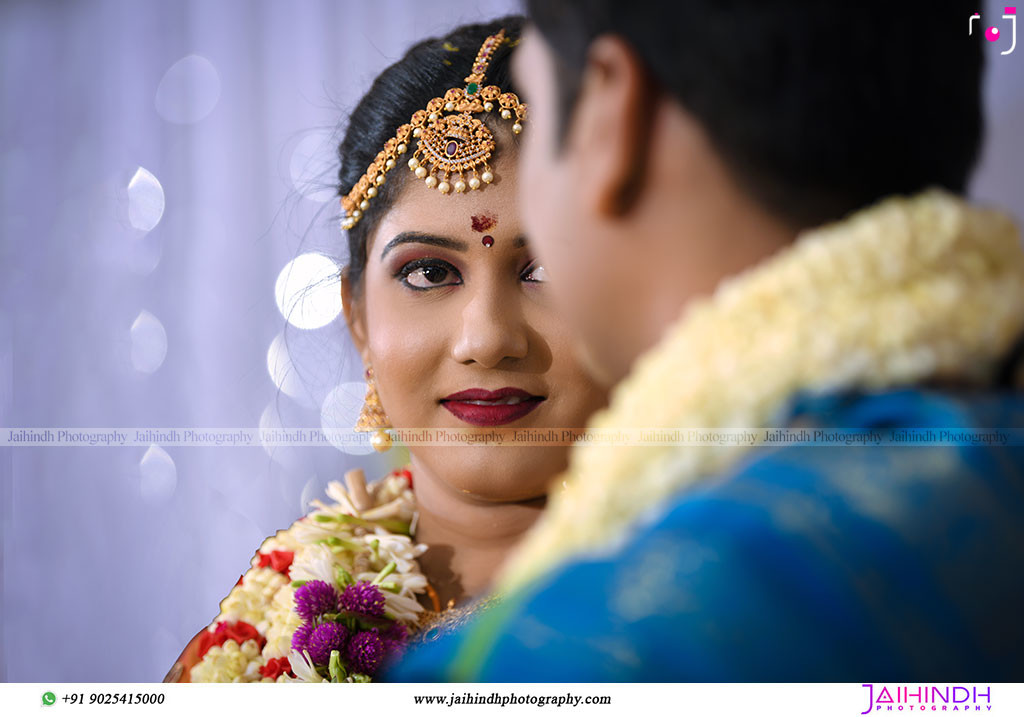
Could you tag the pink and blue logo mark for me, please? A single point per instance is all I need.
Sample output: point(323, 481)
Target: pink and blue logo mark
point(993, 33)
point(930, 698)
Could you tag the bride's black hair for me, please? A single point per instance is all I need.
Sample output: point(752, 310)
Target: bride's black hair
point(426, 71)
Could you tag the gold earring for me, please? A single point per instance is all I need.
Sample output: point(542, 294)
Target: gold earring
point(373, 418)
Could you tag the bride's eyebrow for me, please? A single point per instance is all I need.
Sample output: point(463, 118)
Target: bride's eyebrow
point(421, 238)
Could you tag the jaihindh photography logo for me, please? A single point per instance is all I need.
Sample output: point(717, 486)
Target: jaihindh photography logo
point(993, 33)
point(930, 698)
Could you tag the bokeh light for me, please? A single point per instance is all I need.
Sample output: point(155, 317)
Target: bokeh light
point(188, 91)
point(312, 166)
point(289, 457)
point(308, 291)
point(145, 200)
point(149, 343)
point(284, 374)
point(338, 416)
point(158, 476)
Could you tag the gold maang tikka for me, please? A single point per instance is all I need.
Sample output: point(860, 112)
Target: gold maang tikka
point(452, 143)
point(372, 416)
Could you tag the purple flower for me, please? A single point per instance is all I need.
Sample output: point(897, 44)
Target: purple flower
point(324, 638)
point(363, 598)
point(365, 652)
point(395, 639)
point(314, 599)
point(300, 638)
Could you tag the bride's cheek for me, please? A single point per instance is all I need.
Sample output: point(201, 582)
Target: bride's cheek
point(408, 353)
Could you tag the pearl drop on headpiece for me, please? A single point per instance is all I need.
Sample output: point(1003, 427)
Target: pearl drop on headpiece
point(454, 146)
point(381, 441)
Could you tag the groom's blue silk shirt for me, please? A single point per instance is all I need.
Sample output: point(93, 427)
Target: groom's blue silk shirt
point(804, 563)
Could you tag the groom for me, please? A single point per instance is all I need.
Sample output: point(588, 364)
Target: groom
point(676, 148)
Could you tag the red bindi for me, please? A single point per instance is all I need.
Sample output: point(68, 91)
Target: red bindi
point(482, 222)
point(487, 241)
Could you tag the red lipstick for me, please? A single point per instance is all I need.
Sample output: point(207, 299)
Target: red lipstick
point(481, 407)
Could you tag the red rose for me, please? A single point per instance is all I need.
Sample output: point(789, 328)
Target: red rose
point(238, 631)
point(241, 631)
point(277, 666)
point(279, 560)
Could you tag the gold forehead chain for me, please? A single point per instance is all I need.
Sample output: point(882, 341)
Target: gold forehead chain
point(451, 140)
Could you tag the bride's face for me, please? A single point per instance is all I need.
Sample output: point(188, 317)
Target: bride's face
point(455, 316)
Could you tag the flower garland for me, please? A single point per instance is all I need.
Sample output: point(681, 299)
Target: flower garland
point(328, 599)
point(907, 290)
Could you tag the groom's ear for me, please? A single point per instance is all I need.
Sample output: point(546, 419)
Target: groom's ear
point(609, 136)
point(354, 314)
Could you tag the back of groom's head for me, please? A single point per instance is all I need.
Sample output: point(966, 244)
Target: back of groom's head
point(817, 109)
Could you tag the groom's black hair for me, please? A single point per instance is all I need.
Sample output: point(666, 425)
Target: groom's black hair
point(818, 108)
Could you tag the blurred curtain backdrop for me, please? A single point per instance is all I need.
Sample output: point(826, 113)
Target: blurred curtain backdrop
point(147, 299)
point(160, 165)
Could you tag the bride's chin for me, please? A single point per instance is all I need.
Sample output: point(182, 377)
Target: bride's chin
point(495, 474)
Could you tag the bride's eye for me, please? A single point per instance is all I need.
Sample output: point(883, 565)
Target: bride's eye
point(429, 274)
point(535, 272)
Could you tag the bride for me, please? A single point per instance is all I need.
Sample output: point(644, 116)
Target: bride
point(450, 313)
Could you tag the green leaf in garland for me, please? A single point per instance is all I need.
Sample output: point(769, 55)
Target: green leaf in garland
point(342, 577)
point(388, 569)
point(335, 667)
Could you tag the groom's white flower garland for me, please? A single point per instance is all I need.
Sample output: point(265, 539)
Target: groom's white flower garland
point(908, 290)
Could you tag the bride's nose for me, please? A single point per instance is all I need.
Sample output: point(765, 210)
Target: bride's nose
point(492, 329)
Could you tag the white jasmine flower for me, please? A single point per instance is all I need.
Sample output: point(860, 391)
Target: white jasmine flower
point(229, 662)
point(400, 549)
point(343, 502)
point(250, 599)
point(302, 666)
point(402, 607)
point(282, 622)
point(314, 562)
